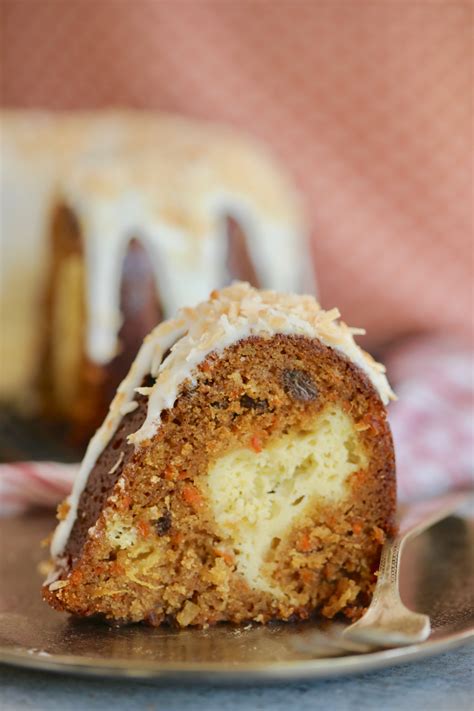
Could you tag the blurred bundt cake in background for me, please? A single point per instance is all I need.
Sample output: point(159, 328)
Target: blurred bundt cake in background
point(111, 222)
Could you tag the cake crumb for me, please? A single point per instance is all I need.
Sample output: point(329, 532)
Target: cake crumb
point(63, 510)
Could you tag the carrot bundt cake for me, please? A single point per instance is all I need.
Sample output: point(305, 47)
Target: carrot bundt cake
point(119, 219)
point(245, 471)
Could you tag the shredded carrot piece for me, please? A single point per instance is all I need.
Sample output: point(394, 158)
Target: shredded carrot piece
point(183, 475)
point(117, 568)
point(256, 444)
point(192, 496)
point(177, 539)
point(75, 577)
point(228, 557)
point(144, 528)
point(369, 422)
point(304, 544)
point(125, 502)
point(359, 477)
point(357, 528)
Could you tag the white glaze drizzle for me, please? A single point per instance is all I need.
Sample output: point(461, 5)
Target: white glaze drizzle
point(154, 346)
point(230, 315)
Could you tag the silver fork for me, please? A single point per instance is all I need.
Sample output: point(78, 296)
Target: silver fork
point(387, 622)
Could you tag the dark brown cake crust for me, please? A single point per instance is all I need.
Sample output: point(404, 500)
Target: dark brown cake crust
point(253, 393)
point(104, 476)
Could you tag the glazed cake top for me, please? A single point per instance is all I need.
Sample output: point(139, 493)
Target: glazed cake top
point(237, 312)
point(228, 316)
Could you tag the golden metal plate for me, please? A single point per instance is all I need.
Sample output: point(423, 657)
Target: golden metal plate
point(437, 578)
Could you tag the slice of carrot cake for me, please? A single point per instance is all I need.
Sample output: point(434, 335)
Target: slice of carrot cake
point(245, 471)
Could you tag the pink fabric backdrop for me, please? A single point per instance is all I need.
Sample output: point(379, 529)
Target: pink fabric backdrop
point(367, 103)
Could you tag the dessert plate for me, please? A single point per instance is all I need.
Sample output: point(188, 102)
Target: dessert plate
point(437, 578)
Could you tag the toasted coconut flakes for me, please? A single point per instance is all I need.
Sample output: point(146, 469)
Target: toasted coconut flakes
point(117, 463)
point(58, 585)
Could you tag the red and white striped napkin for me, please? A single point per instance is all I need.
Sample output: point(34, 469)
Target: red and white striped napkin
point(432, 424)
point(27, 484)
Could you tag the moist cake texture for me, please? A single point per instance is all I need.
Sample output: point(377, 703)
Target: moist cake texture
point(245, 472)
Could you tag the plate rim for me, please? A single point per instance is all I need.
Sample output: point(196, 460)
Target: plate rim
point(221, 673)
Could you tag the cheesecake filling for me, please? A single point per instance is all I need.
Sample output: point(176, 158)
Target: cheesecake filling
point(258, 497)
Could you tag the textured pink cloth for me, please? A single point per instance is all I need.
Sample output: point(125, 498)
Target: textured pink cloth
point(367, 103)
point(432, 424)
point(27, 484)
point(433, 420)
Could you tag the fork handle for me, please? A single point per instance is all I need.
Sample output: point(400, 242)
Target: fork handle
point(419, 517)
